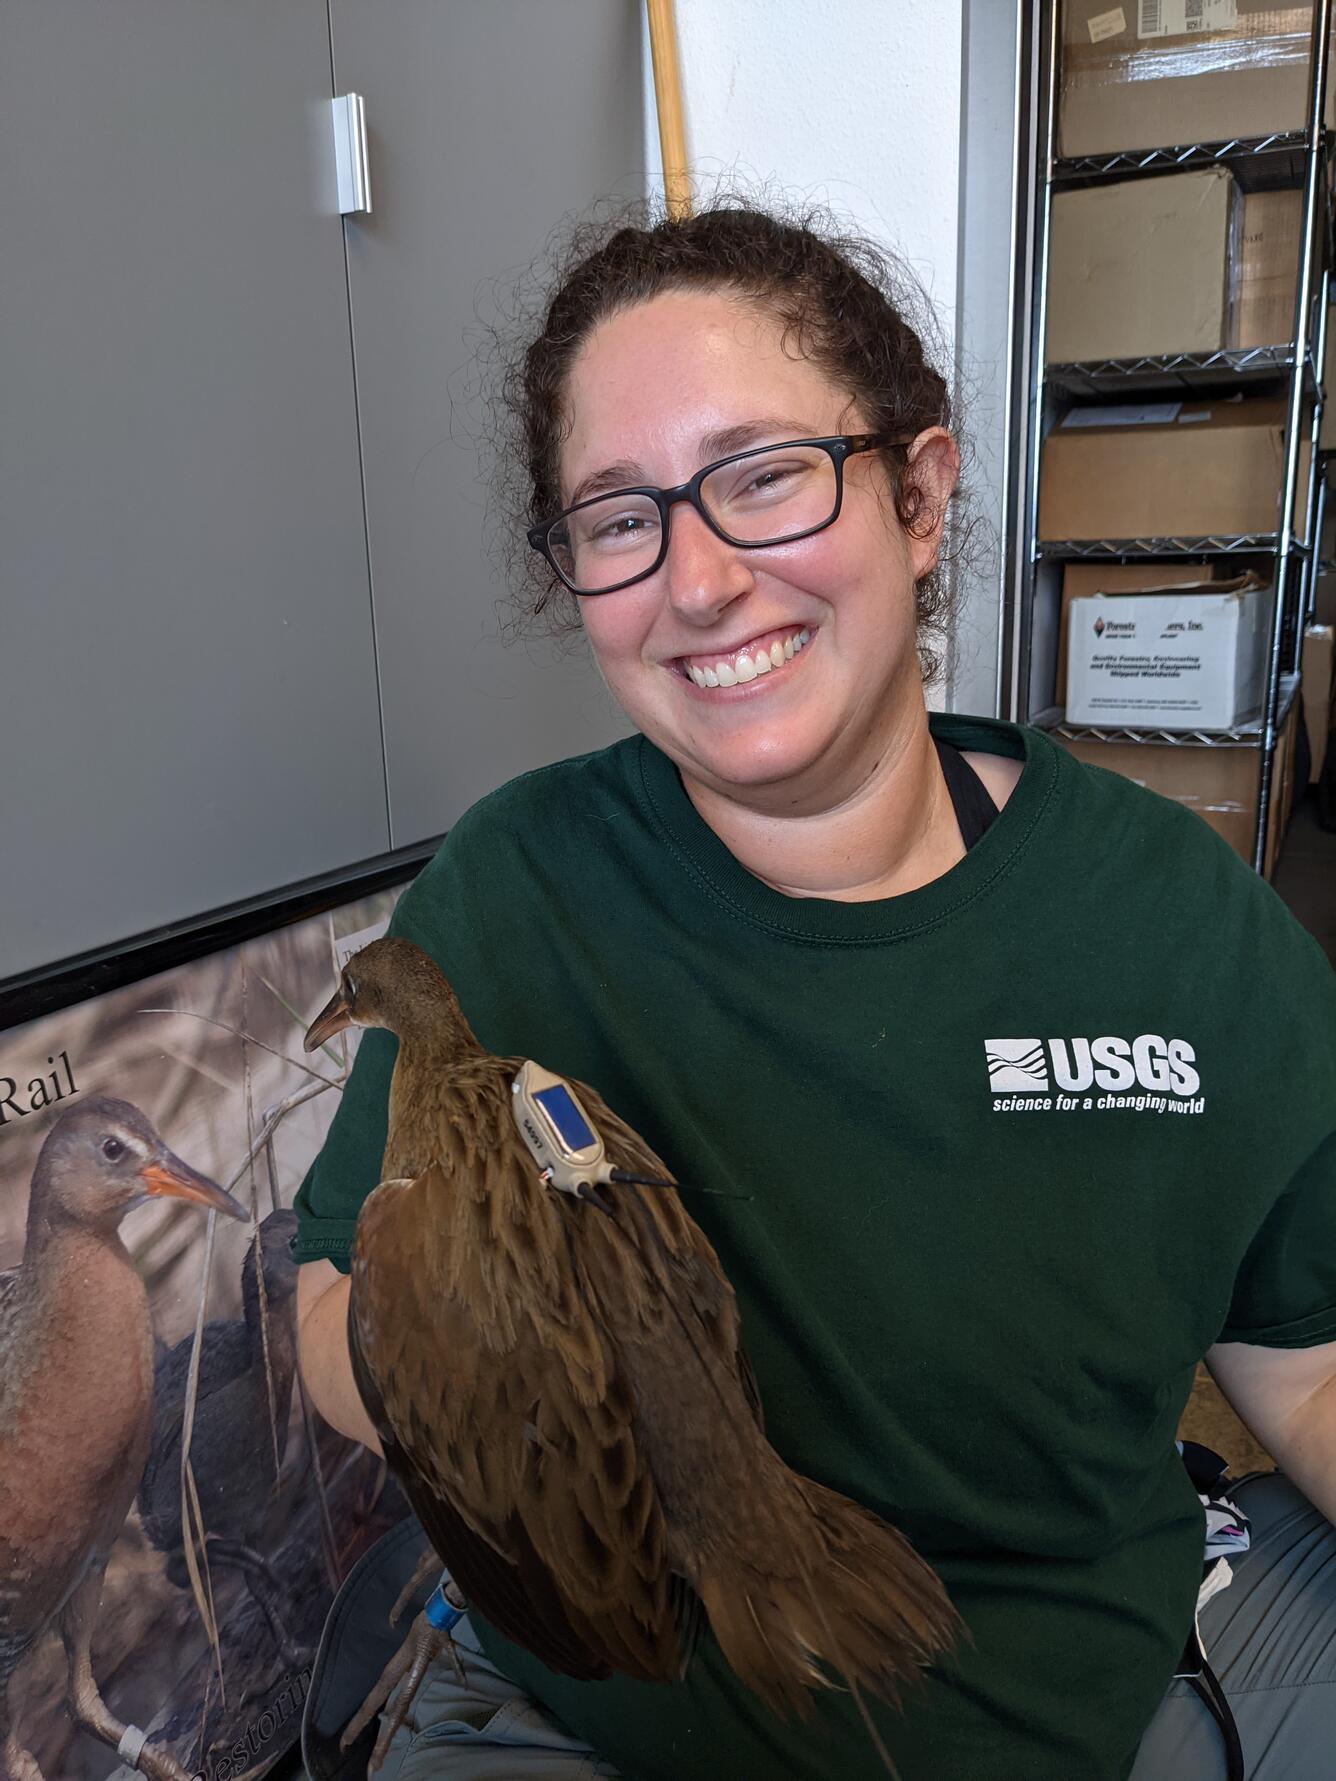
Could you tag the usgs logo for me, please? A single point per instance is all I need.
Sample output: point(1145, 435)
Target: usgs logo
point(1037, 1066)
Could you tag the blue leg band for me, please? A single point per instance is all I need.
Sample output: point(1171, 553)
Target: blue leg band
point(440, 1613)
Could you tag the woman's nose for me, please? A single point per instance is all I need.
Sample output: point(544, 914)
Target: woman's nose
point(704, 575)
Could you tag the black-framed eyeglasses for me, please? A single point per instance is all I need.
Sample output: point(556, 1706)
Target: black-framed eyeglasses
point(772, 494)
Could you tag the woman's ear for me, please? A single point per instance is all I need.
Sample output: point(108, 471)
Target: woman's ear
point(932, 467)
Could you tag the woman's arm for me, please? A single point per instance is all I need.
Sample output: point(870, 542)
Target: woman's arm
point(322, 1351)
point(1287, 1397)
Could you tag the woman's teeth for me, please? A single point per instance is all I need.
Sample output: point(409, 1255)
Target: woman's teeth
point(748, 663)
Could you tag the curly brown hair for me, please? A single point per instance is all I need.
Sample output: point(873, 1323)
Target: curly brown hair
point(842, 302)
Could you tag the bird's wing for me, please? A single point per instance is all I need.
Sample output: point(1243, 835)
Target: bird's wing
point(503, 1406)
point(660, 1227)
point(232, 1448)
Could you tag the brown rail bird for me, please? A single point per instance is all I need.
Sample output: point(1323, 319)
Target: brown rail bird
point(557, 1378)
point(76, 1400)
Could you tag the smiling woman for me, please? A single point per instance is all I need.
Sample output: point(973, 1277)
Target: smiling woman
point(825, 722)
point(778, 930)
point(837, 301)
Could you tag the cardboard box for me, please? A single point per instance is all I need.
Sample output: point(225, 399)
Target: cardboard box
point(1144, 266)
point(1326, 437)
point(1324, 589)
point(1265, 276)
point(1116, 578)
point(1316, 693)
point(1282, 792)
point(1133, 76)
point(1167, 470)
point(1186, 263)
point(1184, 658)
point(1219, 784)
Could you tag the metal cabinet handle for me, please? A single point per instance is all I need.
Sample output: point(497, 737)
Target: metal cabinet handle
point(350, 156)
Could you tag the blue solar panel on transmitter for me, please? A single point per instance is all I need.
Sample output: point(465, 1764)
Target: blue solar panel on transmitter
point(561, 1109)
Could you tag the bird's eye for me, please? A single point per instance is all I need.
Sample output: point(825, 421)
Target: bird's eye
point(350, 986)
point(112, 1148)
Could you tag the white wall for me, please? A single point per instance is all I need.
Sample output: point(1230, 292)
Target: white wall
point(861, 104)
point(852, 101)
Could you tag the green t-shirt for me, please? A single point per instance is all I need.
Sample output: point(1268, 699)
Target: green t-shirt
point(1020, 1145)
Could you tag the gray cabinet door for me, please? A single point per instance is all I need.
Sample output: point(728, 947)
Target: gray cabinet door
point(487, 124)
point(187, 680)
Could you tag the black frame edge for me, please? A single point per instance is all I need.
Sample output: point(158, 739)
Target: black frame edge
point(80, 978)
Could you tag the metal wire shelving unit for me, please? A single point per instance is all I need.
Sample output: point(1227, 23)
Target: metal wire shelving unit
point(1197, 372)
point(1040, 392)
point(1218, 544)
point(1256, 161)
point(1054, 720)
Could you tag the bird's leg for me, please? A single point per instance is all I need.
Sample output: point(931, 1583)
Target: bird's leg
point(424, 1568)
point(428, 1637)
point(16, 1763)
point(90, 1711)
point(263, 1587)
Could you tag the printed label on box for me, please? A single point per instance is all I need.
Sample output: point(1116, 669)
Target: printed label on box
point(1107, 24)
point(1179, 18)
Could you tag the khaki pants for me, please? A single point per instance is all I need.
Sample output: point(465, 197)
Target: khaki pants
point(487, 1731)
point(1270, 1637)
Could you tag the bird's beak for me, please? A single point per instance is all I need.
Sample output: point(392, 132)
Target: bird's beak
point(332, 1018)
point(169, 1176)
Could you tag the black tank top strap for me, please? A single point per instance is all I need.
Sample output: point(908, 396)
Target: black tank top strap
point(975, 810)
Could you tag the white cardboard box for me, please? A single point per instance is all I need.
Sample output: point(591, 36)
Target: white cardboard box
point(1174, 659)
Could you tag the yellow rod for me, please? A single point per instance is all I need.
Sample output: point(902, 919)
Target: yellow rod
point(668, 102)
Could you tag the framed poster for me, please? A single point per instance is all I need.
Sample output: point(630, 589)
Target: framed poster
point(170, 1503)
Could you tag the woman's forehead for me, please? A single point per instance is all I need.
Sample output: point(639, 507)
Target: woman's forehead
point(684, 367)
point(704, 334)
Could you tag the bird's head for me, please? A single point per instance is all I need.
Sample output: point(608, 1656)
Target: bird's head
point(276, 1233)
point(392, 984)
point(102, 1158)
point(273, 1239)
